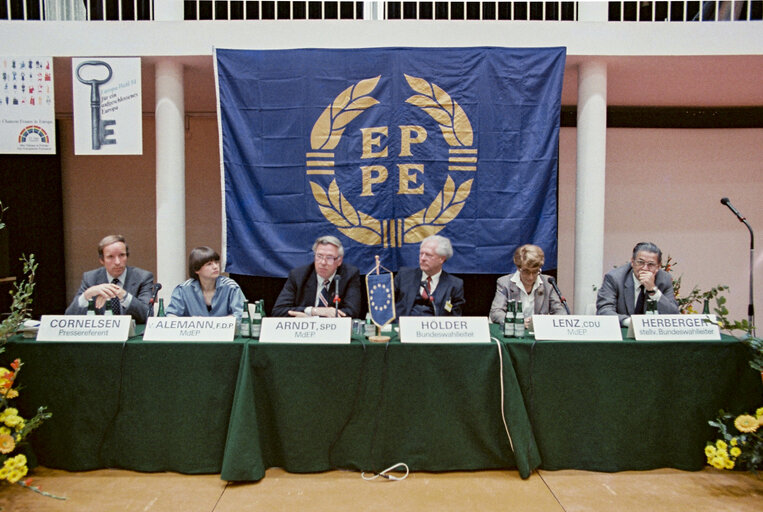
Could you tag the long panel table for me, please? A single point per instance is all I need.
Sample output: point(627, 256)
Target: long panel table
point(631, 405)
point(239, 408)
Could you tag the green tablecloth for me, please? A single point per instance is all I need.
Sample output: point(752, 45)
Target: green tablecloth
point(168, 412)
point(158, 406)
point(631, 405)
point(367, 407)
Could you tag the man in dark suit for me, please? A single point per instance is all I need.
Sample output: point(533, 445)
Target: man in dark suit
point(626, 288)
point(429, 290)
point(311, 290)
point(122, 289)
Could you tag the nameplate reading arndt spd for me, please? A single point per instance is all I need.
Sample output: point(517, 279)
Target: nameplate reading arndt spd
point(451, 329)
point(310, 329)
point(674, 327)
point(577, 327)
point(190, 328)
point(84, 328)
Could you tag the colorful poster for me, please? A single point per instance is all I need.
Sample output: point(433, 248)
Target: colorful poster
point(108, 108)
point(383, 147)
point(27, 111)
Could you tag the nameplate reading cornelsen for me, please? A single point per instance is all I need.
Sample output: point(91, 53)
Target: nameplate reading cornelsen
point(84, 328)
point(675, 327)
point(577, 327)
point(310, 329)
point(457, 329)
point(190, 328)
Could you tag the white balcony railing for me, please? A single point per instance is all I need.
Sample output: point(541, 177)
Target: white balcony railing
point(143, 10)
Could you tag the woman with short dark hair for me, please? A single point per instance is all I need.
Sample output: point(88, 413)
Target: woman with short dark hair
point(206, 293)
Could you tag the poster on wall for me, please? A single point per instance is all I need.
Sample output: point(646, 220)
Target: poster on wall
point(27, 111)
point(108, 117)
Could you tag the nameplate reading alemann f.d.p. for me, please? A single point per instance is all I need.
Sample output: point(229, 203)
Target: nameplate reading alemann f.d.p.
point(84, 328)
point(310, 329)
point(453, 329)
point(577, 327)
point(190, 328)
point(674, 327)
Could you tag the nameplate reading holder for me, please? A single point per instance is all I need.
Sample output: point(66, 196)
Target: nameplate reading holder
point(311, 329)
point(452, 329)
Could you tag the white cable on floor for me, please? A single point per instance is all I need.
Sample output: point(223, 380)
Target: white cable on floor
point(503, 411)
point(385, 473)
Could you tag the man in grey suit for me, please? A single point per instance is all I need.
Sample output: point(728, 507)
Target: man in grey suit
point(626, 288)
point(125, 290)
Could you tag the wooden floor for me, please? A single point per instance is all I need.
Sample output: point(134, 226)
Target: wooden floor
point(545, 491)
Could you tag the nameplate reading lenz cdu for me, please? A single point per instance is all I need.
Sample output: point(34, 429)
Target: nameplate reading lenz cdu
point(674, 327)
point(84, 328)
point(190, 328)
point(454, 329)
point(311, 329)
point(577, 327)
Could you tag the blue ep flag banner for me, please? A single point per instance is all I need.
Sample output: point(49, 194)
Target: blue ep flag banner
point(383, 147)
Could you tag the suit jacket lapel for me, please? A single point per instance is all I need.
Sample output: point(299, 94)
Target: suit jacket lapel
point(628, 292)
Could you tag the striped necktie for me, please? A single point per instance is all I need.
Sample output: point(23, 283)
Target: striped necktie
point(324, 297)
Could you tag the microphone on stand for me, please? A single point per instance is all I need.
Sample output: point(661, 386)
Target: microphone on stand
point(726, 201)
point(337, 299)
point(434, 306)
point(750, 305)
point(552, 282)
point(154, 292)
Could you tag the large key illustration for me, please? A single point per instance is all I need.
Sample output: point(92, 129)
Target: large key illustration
point(100, 128)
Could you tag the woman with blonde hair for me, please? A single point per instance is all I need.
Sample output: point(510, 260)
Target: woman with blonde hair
point(528, 285)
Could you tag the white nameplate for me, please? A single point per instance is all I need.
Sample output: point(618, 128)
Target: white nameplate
point(674, 327)
point(190, 328)
point(444, 329)
point(577, 327)
point(84, 328)
point(311, 329)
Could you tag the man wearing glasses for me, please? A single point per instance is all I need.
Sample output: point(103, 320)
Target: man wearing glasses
point(626, 289)
point(327, 287)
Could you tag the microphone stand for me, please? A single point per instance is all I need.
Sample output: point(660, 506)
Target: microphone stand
point(336, 296)
point(552, 282)
point(750, 305)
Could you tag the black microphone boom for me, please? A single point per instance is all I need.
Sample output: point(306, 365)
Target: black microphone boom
point(336, 296)
point(154, 292)
point(726, 201)
point(750, 305)
point(552, 282)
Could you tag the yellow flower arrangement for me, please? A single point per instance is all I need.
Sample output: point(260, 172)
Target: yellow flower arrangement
point(740, 433)
point(744, 423)
point(13, 427)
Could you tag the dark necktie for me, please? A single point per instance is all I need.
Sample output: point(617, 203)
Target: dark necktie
point(324, 297)
point(639, 310)
point(426, 288)
point(115, 306)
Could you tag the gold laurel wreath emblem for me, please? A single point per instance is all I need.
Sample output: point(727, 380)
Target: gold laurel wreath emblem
point(361, 227)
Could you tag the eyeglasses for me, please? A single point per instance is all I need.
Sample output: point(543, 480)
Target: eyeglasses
point(528, 272)
point(327, 259)
point(647, 264)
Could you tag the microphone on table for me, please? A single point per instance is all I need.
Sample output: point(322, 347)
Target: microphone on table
point(552, 282)
point(726, 201)
point(154, 292)
point(337, 299)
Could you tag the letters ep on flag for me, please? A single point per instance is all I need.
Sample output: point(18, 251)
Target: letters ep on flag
point(382, 147)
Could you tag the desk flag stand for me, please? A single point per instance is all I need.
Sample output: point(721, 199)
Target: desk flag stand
point(381, 299)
